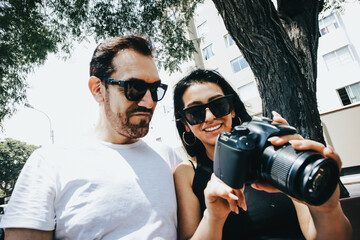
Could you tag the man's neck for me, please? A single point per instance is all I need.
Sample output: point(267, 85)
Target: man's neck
point(104, 132)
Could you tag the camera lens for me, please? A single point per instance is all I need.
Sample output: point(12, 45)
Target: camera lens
point(305, 175)
point(320, 179)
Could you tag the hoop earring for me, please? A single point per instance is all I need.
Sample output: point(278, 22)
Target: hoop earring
point(183, 138)
point(236, 121)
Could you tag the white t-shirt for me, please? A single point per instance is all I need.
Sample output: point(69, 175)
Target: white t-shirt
point(97, 191)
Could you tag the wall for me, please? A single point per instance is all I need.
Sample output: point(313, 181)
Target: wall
point(342, 131)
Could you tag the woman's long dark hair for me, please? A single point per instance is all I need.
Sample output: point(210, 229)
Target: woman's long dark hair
point(204, 76)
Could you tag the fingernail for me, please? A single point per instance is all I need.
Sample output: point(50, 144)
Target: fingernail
point(244, 206)
point(233, 196)
point(328, 150)
point(275, 113)
point(274, 138)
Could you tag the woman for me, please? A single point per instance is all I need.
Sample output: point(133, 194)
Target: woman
point(206, 105)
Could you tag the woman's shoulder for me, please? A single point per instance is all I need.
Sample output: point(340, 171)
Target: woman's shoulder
point(186, 170)
point(187, 164)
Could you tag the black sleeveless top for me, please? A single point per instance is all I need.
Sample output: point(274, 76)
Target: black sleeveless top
point(268, 216)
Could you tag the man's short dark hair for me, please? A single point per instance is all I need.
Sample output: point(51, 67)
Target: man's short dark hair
point(101, 62)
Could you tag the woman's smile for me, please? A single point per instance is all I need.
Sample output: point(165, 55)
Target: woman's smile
point(210, 129)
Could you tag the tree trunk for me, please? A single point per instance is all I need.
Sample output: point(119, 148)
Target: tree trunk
point(281, 49)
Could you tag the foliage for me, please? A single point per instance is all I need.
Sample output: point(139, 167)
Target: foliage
point(32, 29)
point(13, 155)
point(334, 5)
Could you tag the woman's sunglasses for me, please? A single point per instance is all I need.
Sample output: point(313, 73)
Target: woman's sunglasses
point(135, 89)
point(219, 107)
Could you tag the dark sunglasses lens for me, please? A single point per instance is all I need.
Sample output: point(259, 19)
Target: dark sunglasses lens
point(135, 90)
point(195, 115)
point(221, 107)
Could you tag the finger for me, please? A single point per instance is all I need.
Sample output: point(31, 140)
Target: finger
point(233, 206)
point(330, 153)
point(308, 144)
point(232, 200)
point(241, 202)
point(275, 113)
point(264, 186)
point(278, 119)
point(281, 140)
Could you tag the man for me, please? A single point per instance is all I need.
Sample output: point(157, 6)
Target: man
point(116, 186)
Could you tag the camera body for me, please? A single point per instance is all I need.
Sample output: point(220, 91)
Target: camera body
point(245, 155)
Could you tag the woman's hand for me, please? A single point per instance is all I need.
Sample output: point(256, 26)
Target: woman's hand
point(221, 199)
point(326, 221)
point(299, 143)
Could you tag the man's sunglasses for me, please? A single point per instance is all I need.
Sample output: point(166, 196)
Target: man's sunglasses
point(135, 89)
point(219, 107)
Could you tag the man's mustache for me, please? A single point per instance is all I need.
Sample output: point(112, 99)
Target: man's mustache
point(141, 109)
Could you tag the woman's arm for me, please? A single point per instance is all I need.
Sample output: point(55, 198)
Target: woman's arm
point(188, 204)
point(320, 224)
point(220, 200)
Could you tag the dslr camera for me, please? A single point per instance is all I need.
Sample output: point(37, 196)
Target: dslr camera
point(245, 155)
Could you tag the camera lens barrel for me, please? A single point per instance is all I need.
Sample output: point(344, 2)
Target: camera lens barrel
point(305, 175)
point(244, 155)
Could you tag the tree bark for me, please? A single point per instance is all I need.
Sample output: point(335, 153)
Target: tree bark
point(281, 49)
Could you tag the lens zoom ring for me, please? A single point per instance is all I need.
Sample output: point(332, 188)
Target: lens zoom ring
point(280, 166)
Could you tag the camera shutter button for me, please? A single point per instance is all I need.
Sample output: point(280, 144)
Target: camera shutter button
point(241, 130)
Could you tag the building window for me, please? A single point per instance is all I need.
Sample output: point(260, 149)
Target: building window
point(328, 24)
point(248, 91)
point(228, 40)
point(338, 58)
point(208, 52)
point(350, 94)
point(239, 64)
point(202, 29)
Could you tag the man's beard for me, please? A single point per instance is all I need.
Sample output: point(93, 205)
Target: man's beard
point(132, 130)
point(121, 122)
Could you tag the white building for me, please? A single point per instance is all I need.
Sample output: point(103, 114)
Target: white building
point(338, 59)
point(338, 65)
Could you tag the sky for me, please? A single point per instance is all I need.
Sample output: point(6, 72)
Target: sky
point(59, 89)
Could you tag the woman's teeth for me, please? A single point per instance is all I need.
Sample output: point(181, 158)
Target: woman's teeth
point(212, 128)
